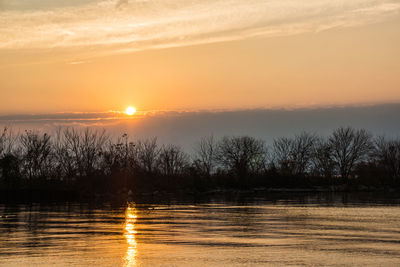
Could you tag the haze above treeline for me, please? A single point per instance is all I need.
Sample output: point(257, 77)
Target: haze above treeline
point(185, 128)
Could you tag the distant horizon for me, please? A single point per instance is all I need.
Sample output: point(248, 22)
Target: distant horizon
point(4, 115)
point(184, 128)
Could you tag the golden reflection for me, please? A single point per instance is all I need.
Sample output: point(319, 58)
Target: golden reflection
point(130, 233)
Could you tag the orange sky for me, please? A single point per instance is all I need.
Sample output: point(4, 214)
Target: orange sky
point(350, 60)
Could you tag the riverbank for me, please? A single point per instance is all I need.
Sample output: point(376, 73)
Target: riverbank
point(62, 195)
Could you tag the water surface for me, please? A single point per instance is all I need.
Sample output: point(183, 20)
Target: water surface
point(253, 232)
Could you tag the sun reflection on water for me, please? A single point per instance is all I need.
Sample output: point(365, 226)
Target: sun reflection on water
point(130, 233)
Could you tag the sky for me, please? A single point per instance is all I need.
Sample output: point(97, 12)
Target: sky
point(186, 128)
point(80, 57)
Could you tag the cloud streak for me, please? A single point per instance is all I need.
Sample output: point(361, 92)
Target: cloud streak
point(123, 26)
point(187, 127)
point(68, 117)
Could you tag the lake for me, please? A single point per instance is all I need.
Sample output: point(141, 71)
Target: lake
point(321, 229)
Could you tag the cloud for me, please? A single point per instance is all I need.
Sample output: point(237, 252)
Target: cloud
point(186, 127)
point(121, 3)
point(62, 117)
point(122, 26)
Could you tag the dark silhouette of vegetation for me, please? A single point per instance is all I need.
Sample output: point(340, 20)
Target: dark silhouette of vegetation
point(293, 156)
point(89, 162)
point(241, 157)
point(349, 147)
point(205, 156)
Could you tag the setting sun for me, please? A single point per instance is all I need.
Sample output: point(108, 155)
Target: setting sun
point(130, 111)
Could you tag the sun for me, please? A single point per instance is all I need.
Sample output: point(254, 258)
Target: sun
point(130, 110)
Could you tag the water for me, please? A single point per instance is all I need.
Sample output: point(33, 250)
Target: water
point(253, 232)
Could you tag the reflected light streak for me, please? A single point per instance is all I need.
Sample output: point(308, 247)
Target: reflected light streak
point(130, 233)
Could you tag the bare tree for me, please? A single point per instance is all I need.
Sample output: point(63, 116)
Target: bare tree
point(147, 154)
point(205, 155)
point(349, 147)
point(9, 161)
point(36, 150)
point(85, 148)
point(7, 142)
point(172, 160)
point(323, 164)
point(303, 152)
point(119, 155)
point(241, 155)
point(387, 153)
point(64, 161)
point(294, 155)
point(282, 154)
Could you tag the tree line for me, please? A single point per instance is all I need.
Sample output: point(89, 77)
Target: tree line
point(90, 161)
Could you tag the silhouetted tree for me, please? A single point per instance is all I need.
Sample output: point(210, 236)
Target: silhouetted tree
point(205, 155)
point(7, 142)
point(282, 154)
point(90, 162)
point(116, 155)
point(172, 160)
point(36, 149)
point(9, 170)
point(242, 155)
point(9, 162)
point(65, 165)
point(303, 151)
point(322, 160)
point(387, 153)
point(294, 155)
point(148, 152)
point(119, 161)
point(349, 147)
point(85, 148)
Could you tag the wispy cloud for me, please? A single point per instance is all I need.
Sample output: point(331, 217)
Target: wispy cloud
point(113, 26)
point(85, 118)
point(187, 127)
point(65, 117)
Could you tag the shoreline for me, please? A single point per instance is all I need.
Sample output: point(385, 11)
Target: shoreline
point(40, 195)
